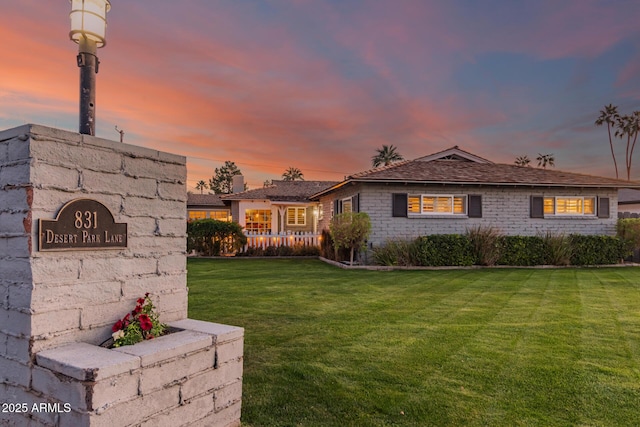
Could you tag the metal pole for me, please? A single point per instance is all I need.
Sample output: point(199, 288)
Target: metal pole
point(88, 63)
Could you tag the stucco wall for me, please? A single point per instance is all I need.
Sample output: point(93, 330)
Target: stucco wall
point(505, 208)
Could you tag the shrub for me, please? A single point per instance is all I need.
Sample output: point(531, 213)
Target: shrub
point(628, 229)
point(596, 250)
point(521, 250)
point(558, 249)
point(211, 237)
point(327, 248)
point(485, 242)
point(445, 249)
point(350, 230)
point(397, 252)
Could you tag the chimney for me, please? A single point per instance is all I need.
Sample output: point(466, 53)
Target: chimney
point(238, 184)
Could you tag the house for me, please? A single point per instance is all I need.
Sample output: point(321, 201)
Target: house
point(200, 206)
point(454, 190)
point(628, 202)
point(283, 207)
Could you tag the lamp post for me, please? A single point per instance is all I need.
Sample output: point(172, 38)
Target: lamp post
point(88, 28)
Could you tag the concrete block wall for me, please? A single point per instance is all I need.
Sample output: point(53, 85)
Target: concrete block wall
point(52, 299)
point(505, 208)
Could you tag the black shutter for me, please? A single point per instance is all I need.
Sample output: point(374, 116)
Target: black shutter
point(537, 207)
point(355, 203)
point(399, 204)
point(603, 207)
point(336, 207)
point(474, 206)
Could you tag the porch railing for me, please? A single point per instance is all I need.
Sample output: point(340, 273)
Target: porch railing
point(259, 240)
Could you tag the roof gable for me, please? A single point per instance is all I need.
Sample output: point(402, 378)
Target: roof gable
point(453, 154)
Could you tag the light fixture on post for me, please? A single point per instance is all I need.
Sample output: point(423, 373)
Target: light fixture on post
point(88, 28)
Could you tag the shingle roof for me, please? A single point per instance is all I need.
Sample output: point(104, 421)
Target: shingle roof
point(469, 173)
point(628, 196)
point(283, 191)
point(212, 200)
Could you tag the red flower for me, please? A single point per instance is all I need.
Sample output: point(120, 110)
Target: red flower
point(137, 310)
point(117, 326)
point(140, 301)
point(145, 322)
point(125, 320)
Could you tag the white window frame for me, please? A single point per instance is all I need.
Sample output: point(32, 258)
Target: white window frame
point(346, 202)
point(295, 217)
point(555, 206)
point(452, 197)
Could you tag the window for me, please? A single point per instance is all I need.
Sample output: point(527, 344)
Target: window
point(432, 204)
point(320, 212)
point(258, 221)
point(193, 215)
point(347, 205)
point(569, 205)
point(220, 215)
point(296, 216)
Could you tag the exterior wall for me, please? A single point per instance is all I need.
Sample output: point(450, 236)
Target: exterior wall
point(278, 221)
point(505, 208)
point(52, 299)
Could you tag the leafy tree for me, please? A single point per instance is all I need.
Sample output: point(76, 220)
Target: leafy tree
point(522, 161)
point(350, 230)
point(267, 183)
point(201, 185)
point(628, 126)
point(386, 155)
point(292, 174)
point(546, 159)
point(609, 116)
point(222, 180)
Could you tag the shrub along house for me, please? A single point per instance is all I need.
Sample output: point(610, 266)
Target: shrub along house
point(453, 190)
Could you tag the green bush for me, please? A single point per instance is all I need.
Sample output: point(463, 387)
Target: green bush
point(628, 229)
point(521, 250)
point(558, 249)
point(211, 237)
point(397, 252)
point(596, 250)
point(445, 250)
point(486, 244)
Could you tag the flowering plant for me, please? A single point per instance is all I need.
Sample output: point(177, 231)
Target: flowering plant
point(139, 325)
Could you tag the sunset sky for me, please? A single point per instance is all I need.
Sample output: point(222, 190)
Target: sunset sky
point(320, 84)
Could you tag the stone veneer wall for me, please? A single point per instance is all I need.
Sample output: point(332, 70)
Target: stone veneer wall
point(506, 208)
point(49, 299)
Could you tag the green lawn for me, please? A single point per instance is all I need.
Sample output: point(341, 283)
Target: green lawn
point(492, 347)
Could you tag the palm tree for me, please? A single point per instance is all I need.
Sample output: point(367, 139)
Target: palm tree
point(522, 161)
point(609, 116)
point(201, 185)
point(545, 159)
point(386, 155)
point(629, 126)
point(292, 174)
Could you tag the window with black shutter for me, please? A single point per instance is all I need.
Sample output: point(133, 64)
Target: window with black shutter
point(603, 207)
point(537, 207)
point(475, 206)
point(399, 204)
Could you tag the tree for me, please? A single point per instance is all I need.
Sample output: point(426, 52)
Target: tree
point(523, 161)
point(350, 230)
point(222, 180)
point(386, 155)
point(201, 185)
point(609, 116)
point(628, 126)
point(546, 159)
point(292, 174)
point(267, 183)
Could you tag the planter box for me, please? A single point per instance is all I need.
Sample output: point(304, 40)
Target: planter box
point(191, 377)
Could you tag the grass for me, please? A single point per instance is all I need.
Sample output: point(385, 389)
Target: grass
point(496, 347)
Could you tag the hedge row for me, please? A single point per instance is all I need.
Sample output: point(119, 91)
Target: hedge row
point(469, 249)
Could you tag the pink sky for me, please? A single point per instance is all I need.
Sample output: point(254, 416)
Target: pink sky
point(319, 85)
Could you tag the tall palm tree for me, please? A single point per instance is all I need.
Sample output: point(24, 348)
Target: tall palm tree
point(201, 185)
point(629, 126)
point(522, 161)
point(546, 159)
point(609, 116)
point(292, 174)
point(386, 155)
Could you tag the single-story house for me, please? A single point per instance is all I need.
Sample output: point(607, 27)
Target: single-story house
point(200, 206)
point(454, 190)
point(280, 208)
point(628, 201)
